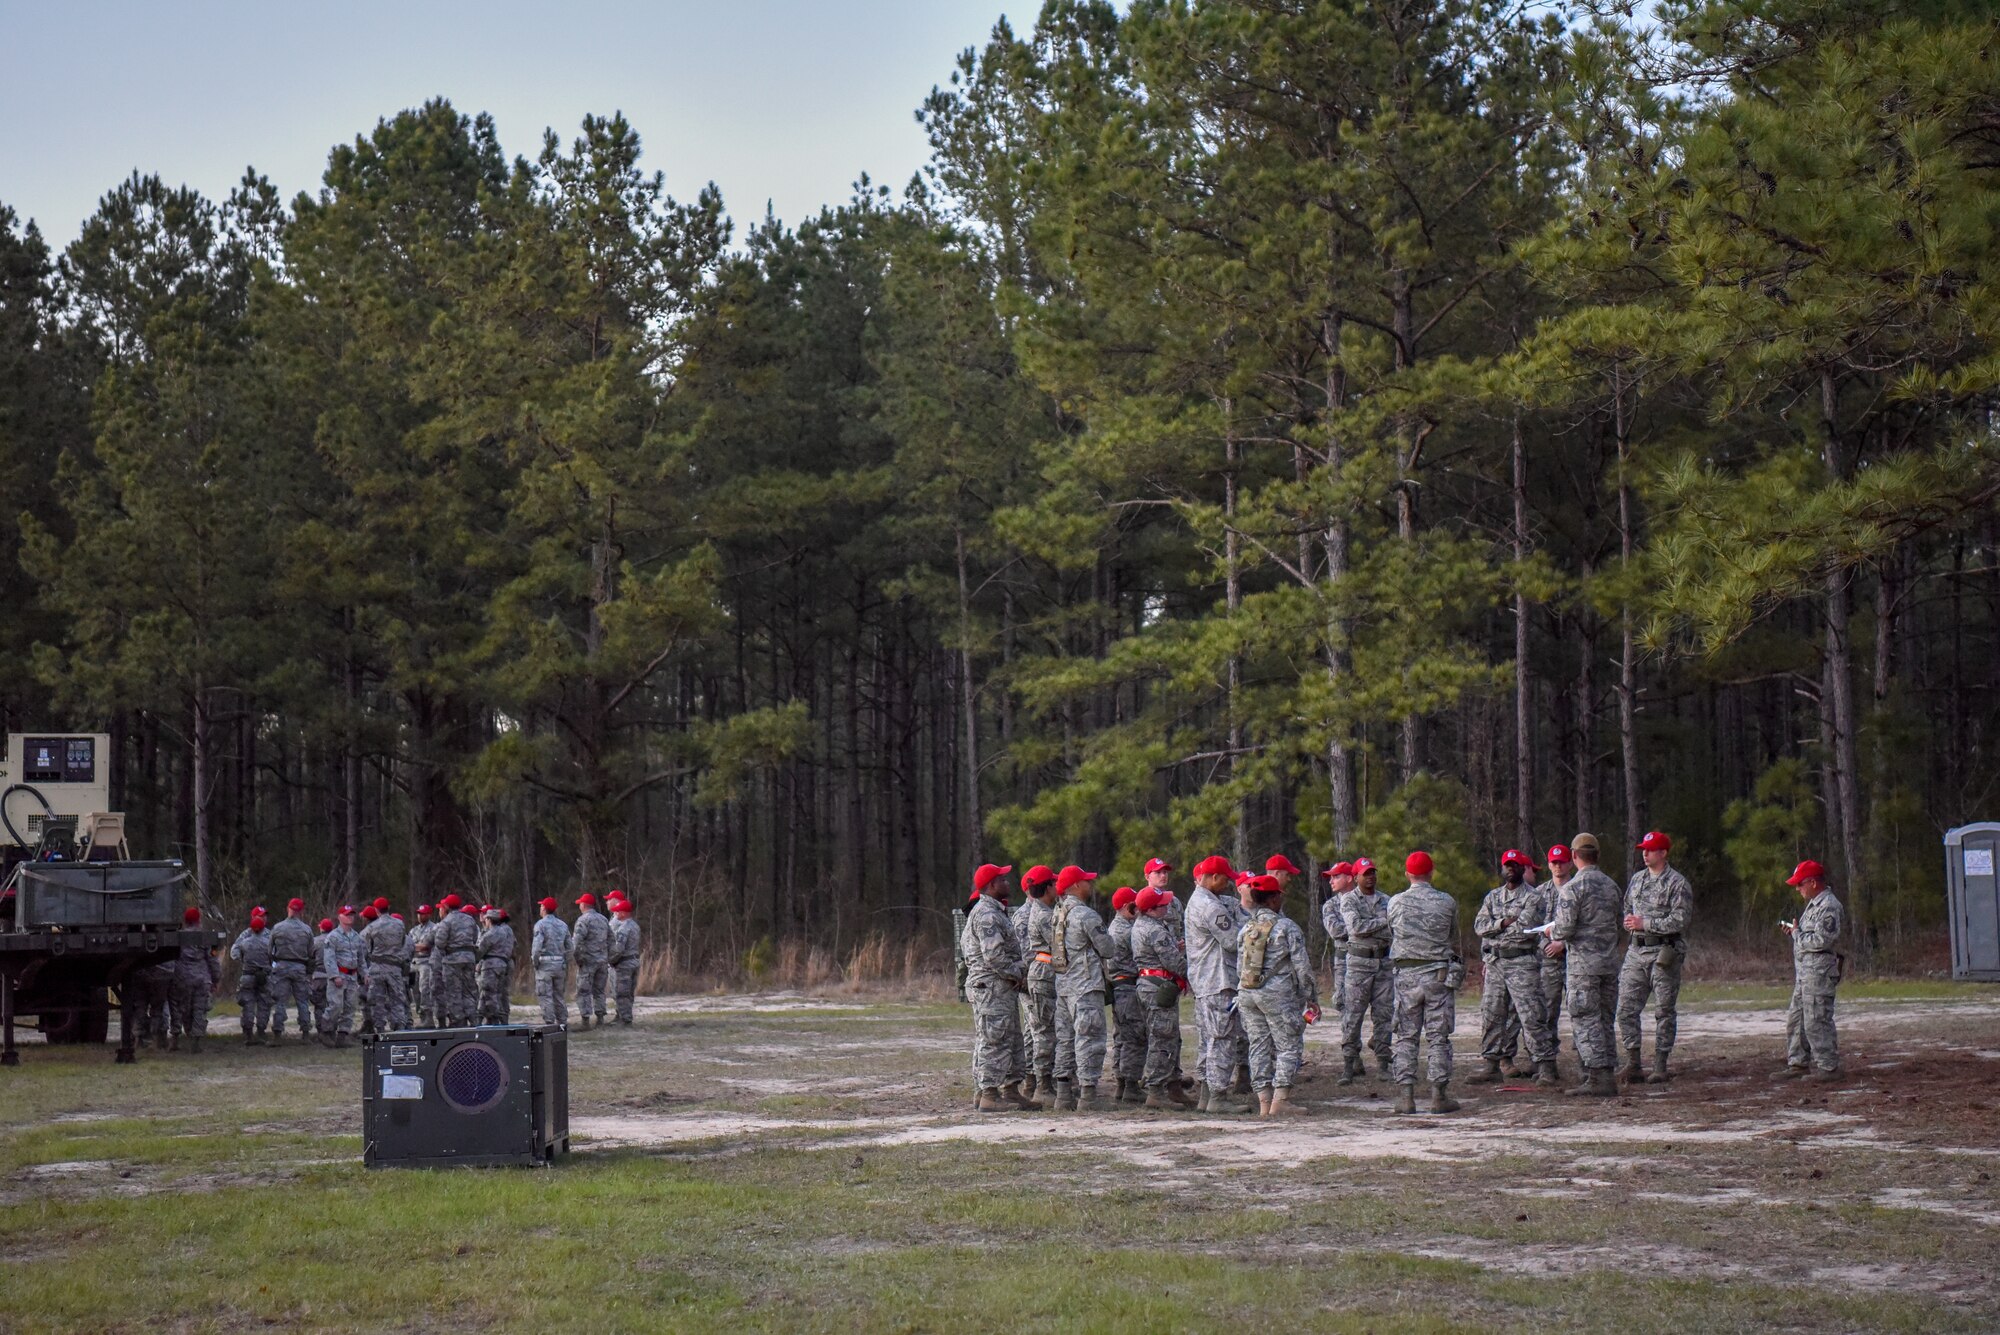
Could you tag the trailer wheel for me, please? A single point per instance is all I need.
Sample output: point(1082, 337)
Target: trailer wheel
point(80, 1015)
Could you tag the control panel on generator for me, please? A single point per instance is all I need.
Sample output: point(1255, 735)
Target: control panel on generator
point(59, 777)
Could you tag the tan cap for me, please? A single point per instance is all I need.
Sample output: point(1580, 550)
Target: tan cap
point(1585, 840)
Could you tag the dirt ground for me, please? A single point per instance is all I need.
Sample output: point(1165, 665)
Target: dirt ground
point(1867, 1204)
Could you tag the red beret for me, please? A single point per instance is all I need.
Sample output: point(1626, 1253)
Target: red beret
point(1279, 862)
point(1418, 863)
point(450, 902)
point(1214, 866)
point(190, 914)
point(469, 908)
point(1515, 855)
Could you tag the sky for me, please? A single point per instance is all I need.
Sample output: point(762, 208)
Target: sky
point(785, 101)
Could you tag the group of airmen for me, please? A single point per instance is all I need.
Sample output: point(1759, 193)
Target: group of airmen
point(453, 968)
point(1041, 975)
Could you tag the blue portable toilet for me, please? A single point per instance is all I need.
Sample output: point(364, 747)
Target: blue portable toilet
point(1973, 895)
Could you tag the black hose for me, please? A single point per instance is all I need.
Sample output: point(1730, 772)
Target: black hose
point(12, 789)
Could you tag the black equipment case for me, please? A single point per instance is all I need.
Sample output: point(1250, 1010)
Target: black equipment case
point(485, 1096)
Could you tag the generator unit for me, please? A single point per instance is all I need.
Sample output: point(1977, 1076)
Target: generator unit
point(485, 1096)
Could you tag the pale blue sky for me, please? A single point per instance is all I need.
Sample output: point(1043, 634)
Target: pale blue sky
point(785, 100)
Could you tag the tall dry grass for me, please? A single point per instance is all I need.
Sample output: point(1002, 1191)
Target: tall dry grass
point(880, 966)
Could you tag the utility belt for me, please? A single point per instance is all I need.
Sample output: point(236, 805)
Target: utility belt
point(1657, 939)
point(1342, 948)
point(276, 963)
point(1513, 952)
point(1817, 952)
point(1366, 952)
point(1126, 978)
point(1176, 979)
point(1420, 964)
point(345, 969)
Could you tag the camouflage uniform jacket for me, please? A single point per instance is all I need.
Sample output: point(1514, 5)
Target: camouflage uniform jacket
point(1085, 947)
point(1816, 932)
point(497, 942)
point(550, 943)
point(455, 940)
point(253, 948)
point(386, 941)
point(1121, 966)
point(1333, 918)
point(1213, 923)
point(991, 950)
point(1154, 946)
point(1588, 909)
point(1285, 956)
point(1524, 904)
point(590, 938)
point(1366, 917)
point(195, 964)
point(1423, 926)
point(1664, 902)
point(291, 942)
point(624, 942)
point(420, 941)
point(1039, 943)
point(344, 950)
point(319, 954)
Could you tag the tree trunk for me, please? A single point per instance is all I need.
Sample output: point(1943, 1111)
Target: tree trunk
point(1232, 553)
point(1840, 710)
point(200, 781)
point(974, 817)
point(1524, 735)
point(1340, 770)
point(1628, 668)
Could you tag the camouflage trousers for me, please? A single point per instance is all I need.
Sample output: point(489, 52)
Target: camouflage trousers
point(1810, 1039)
point(549, 992)
point(1041, 1035)
point(1655, 972)
point(1163, 1031)
point(593, 988)
point(1553, 983)
point(253, 998)
point(1274, 1027)
point(336, 1013)
point(997, 1055)
point(1219, 1039)
point(427, 1015)
point(1340, 958)
point(624, 989)
point(388, 999)
point(1371, 994)
point(189, 1004)
point(1592, 997)
point(290, 987)
point(1426, 1009)
point(1080, 1036)
point(1128, 1053)
point(457, 988)
point(1511, 1007)
point(495, 1006)
point(149, 996)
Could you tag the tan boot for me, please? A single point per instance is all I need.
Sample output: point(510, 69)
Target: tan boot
point(1028, 1086)
point(1658, 1075)
point(1282, 1105)
point(1823, 1076)
point(1263, 1103)
point(1013, 1095)
point(1135, 1092)
point(1488, 1074)
point(1177, 1096)
point(1165, 1098)
point(1406, 1102)
point(1089, 1100)
point(1065, 1096)
point(1632, 1073)
point(1546, 1074)
point(1441, 1099)
point(1599, 1083)
point(1788, 1073)
point(1351, 1070)
point(990, 1101)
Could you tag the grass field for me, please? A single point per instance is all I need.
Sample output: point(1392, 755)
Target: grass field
point(790, 1165)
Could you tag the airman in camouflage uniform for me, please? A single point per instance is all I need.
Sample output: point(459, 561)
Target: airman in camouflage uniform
point(1423, 948)
point(1339, 881)
point(454, 963)
point(197, 976)
point(252, 951)
point(624, 958)
point(496, 968)
point(1371, 982)
point(994, 977)
point(318, 975)
point(1561, 868)
point(1513, 982)
point(344, 954)
point(420, 962)
point(549, 954)
point(1079, 945)
point(152, 998)
point(388, 958)
point(1810, 1038)
point(1213, 919)
point(1588, 909)
point(590, 949)
point(1159, 875)
point(1128, 1052)
point(1038, 952)
point(1277, 993)
point(1162, 966)
point(291, 969)
point(1658, 904)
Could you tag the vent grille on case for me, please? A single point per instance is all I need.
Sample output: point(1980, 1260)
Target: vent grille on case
point(472, 1077)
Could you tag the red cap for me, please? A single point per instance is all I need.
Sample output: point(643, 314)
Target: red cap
point(987, 874)
point(1035, 875)
point(1158, 864)
point(1071, 875)
point(382, 905)
point(190, 914)
point(550, 904)
point(498, 912)
point(346, 910)
point(1361, 865)
point(1217, 865)
point(1339, 869)
point(1804, 872)
point(1516, 856)
point(423, 910)
point(1418, 863)
point(1242, 876)
point(1559, 853)
point(369, 912)
point(1655, 842)
point(1122, 896)
point(257, 917)
point(1279, 862)
point(296, 905)
point(1149, 899)
point(450, 902)
point(621, 906)
point(1263, 885)
point(587, 898)
point(397, 916)
point(326, 924)
point(473, 909)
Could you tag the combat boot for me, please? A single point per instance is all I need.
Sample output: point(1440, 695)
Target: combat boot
point(1241, 1084)
point(990, 1101)
point(1232, 1103)
point(1598, 1083)
point(1441, 1099)
point(1135, 1092)
point(1511, 1067)
point(1012, 1094)
point(194, 1043)
point(342, 1040)
point(1658, 1075)
point(1823, 1076)
point(249, 1039)
point(1201, 1097)
point(1546, 1074)
point(1088, 1099)
point(1406, 1102)
point(1384, 1068)
point(1351, 1070)
point(1263, 1103)
point(1788, 1073)
point(1165, 1098)
point(1488, 1074)
point(1065, 1096)
point(583, 1024)
point(1282, 1105)
point(1179, 1096)
point(1632, 1073)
